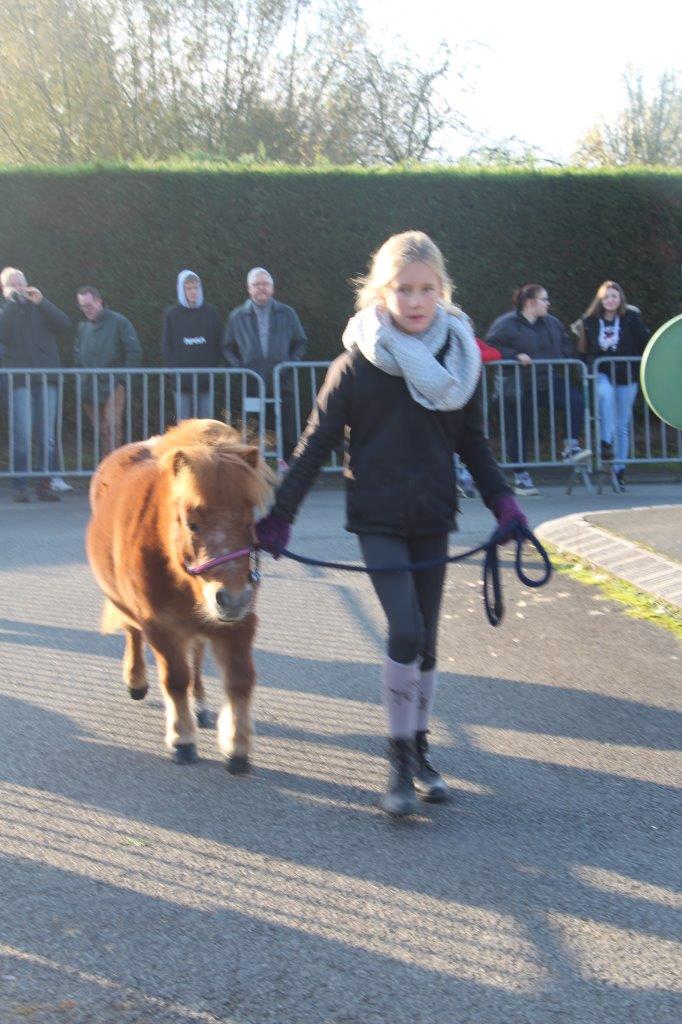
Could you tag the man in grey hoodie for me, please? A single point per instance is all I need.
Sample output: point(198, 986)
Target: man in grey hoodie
point(191, 339)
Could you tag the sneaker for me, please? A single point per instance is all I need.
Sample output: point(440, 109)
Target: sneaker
point(619, 480)
point(44, 493)
point(57, 483)
point(573, 454)
point(21, 496)
point(606, 451)
point(524, 485)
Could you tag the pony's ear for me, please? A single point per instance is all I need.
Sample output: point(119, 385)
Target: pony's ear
point(251, 456)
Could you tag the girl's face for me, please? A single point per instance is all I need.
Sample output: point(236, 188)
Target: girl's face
point(412, 298)
point(611, 300)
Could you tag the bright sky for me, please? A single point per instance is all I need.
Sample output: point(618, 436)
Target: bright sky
point(544, 72)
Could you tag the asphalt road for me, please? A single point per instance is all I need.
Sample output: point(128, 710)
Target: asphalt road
point(133, 890)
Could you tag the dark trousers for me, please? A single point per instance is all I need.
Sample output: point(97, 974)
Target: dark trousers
point(518, 417)
point(410, 600)
point(289, 429)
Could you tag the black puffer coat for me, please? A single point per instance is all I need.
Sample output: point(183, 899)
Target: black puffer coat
point(398, 466)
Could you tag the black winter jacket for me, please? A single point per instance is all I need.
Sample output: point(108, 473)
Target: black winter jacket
point(191, 338)
point(634, 335)
point(398, 466)
point(545, 338)
point(29, 333)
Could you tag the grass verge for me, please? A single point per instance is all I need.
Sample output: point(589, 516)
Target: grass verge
point(637, 604)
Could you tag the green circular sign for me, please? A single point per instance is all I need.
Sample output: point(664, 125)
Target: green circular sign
point(661, 372)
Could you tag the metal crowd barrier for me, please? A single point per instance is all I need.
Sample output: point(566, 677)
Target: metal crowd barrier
point(650, 440)
point(69, 417)
point(295, 386)
point(512, 401)
point(527, 407)
point(64, 420)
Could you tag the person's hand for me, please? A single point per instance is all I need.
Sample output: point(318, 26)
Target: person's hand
point(524, 359)
point(273, 534)
point(33, 295)
point(507, 511)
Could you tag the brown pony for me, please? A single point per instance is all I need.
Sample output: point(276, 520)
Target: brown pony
point(160, 507)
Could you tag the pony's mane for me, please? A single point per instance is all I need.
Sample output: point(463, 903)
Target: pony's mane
point(209, 432)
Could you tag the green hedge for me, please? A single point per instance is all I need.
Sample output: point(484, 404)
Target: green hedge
point(130, 230)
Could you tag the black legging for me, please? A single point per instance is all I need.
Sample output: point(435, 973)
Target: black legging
point(411, 600)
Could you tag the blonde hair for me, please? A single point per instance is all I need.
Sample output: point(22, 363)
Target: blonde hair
point(393, 256)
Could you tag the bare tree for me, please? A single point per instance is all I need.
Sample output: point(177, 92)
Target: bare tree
point(289, 80)
point(647, 131)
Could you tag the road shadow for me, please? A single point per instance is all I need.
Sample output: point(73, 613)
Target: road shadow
point(489, 906)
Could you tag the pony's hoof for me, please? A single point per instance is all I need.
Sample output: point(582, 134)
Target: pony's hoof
point(138, 694)
point(185, 753)
point(205, 718)
point(237, 765)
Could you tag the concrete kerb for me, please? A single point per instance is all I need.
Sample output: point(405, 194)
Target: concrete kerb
point(650, 572)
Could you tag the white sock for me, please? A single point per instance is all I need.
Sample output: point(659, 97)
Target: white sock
point(426, 694)
point(399, 694)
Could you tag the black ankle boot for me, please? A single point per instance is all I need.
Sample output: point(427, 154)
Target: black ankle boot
point(399, 798)
point(427, 782)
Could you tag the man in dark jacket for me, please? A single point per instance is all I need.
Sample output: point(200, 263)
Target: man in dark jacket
point(104, 340)
point(29, 326)
point(262, 333)
point(526, 334)
point(191, 338)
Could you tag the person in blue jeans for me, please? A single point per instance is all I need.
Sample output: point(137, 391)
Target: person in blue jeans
point(610, 326)
point(525, 334)
point(29, 328)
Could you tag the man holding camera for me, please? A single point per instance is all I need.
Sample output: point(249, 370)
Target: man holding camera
point(29, 326)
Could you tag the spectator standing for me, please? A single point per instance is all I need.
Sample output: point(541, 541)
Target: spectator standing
point(191, 340)
point(29, 328)
point(105, 340)
point(525, 334)
point(260, 334)
point(610, 327)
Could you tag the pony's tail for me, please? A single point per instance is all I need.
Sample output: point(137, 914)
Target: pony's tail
point(112, 620)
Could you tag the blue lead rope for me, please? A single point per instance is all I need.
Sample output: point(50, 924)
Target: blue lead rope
point(492, 586)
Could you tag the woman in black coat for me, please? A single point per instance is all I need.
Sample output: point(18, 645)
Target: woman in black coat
point(610, 327)
point(529, 333)
point(407, 395)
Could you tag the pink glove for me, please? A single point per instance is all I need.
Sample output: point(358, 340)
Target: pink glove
point(273, 534)
point(507, 511)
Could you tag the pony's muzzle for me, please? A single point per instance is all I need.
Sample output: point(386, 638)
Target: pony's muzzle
point(232, 607)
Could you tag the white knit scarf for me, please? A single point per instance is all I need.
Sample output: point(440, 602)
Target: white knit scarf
point(413, 356)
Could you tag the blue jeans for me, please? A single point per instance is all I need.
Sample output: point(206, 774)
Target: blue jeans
point(518, 435)
point(184, 405)
point(615, 415)
point(34, 422)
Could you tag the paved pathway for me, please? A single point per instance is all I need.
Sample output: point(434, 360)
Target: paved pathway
point(136, 891)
